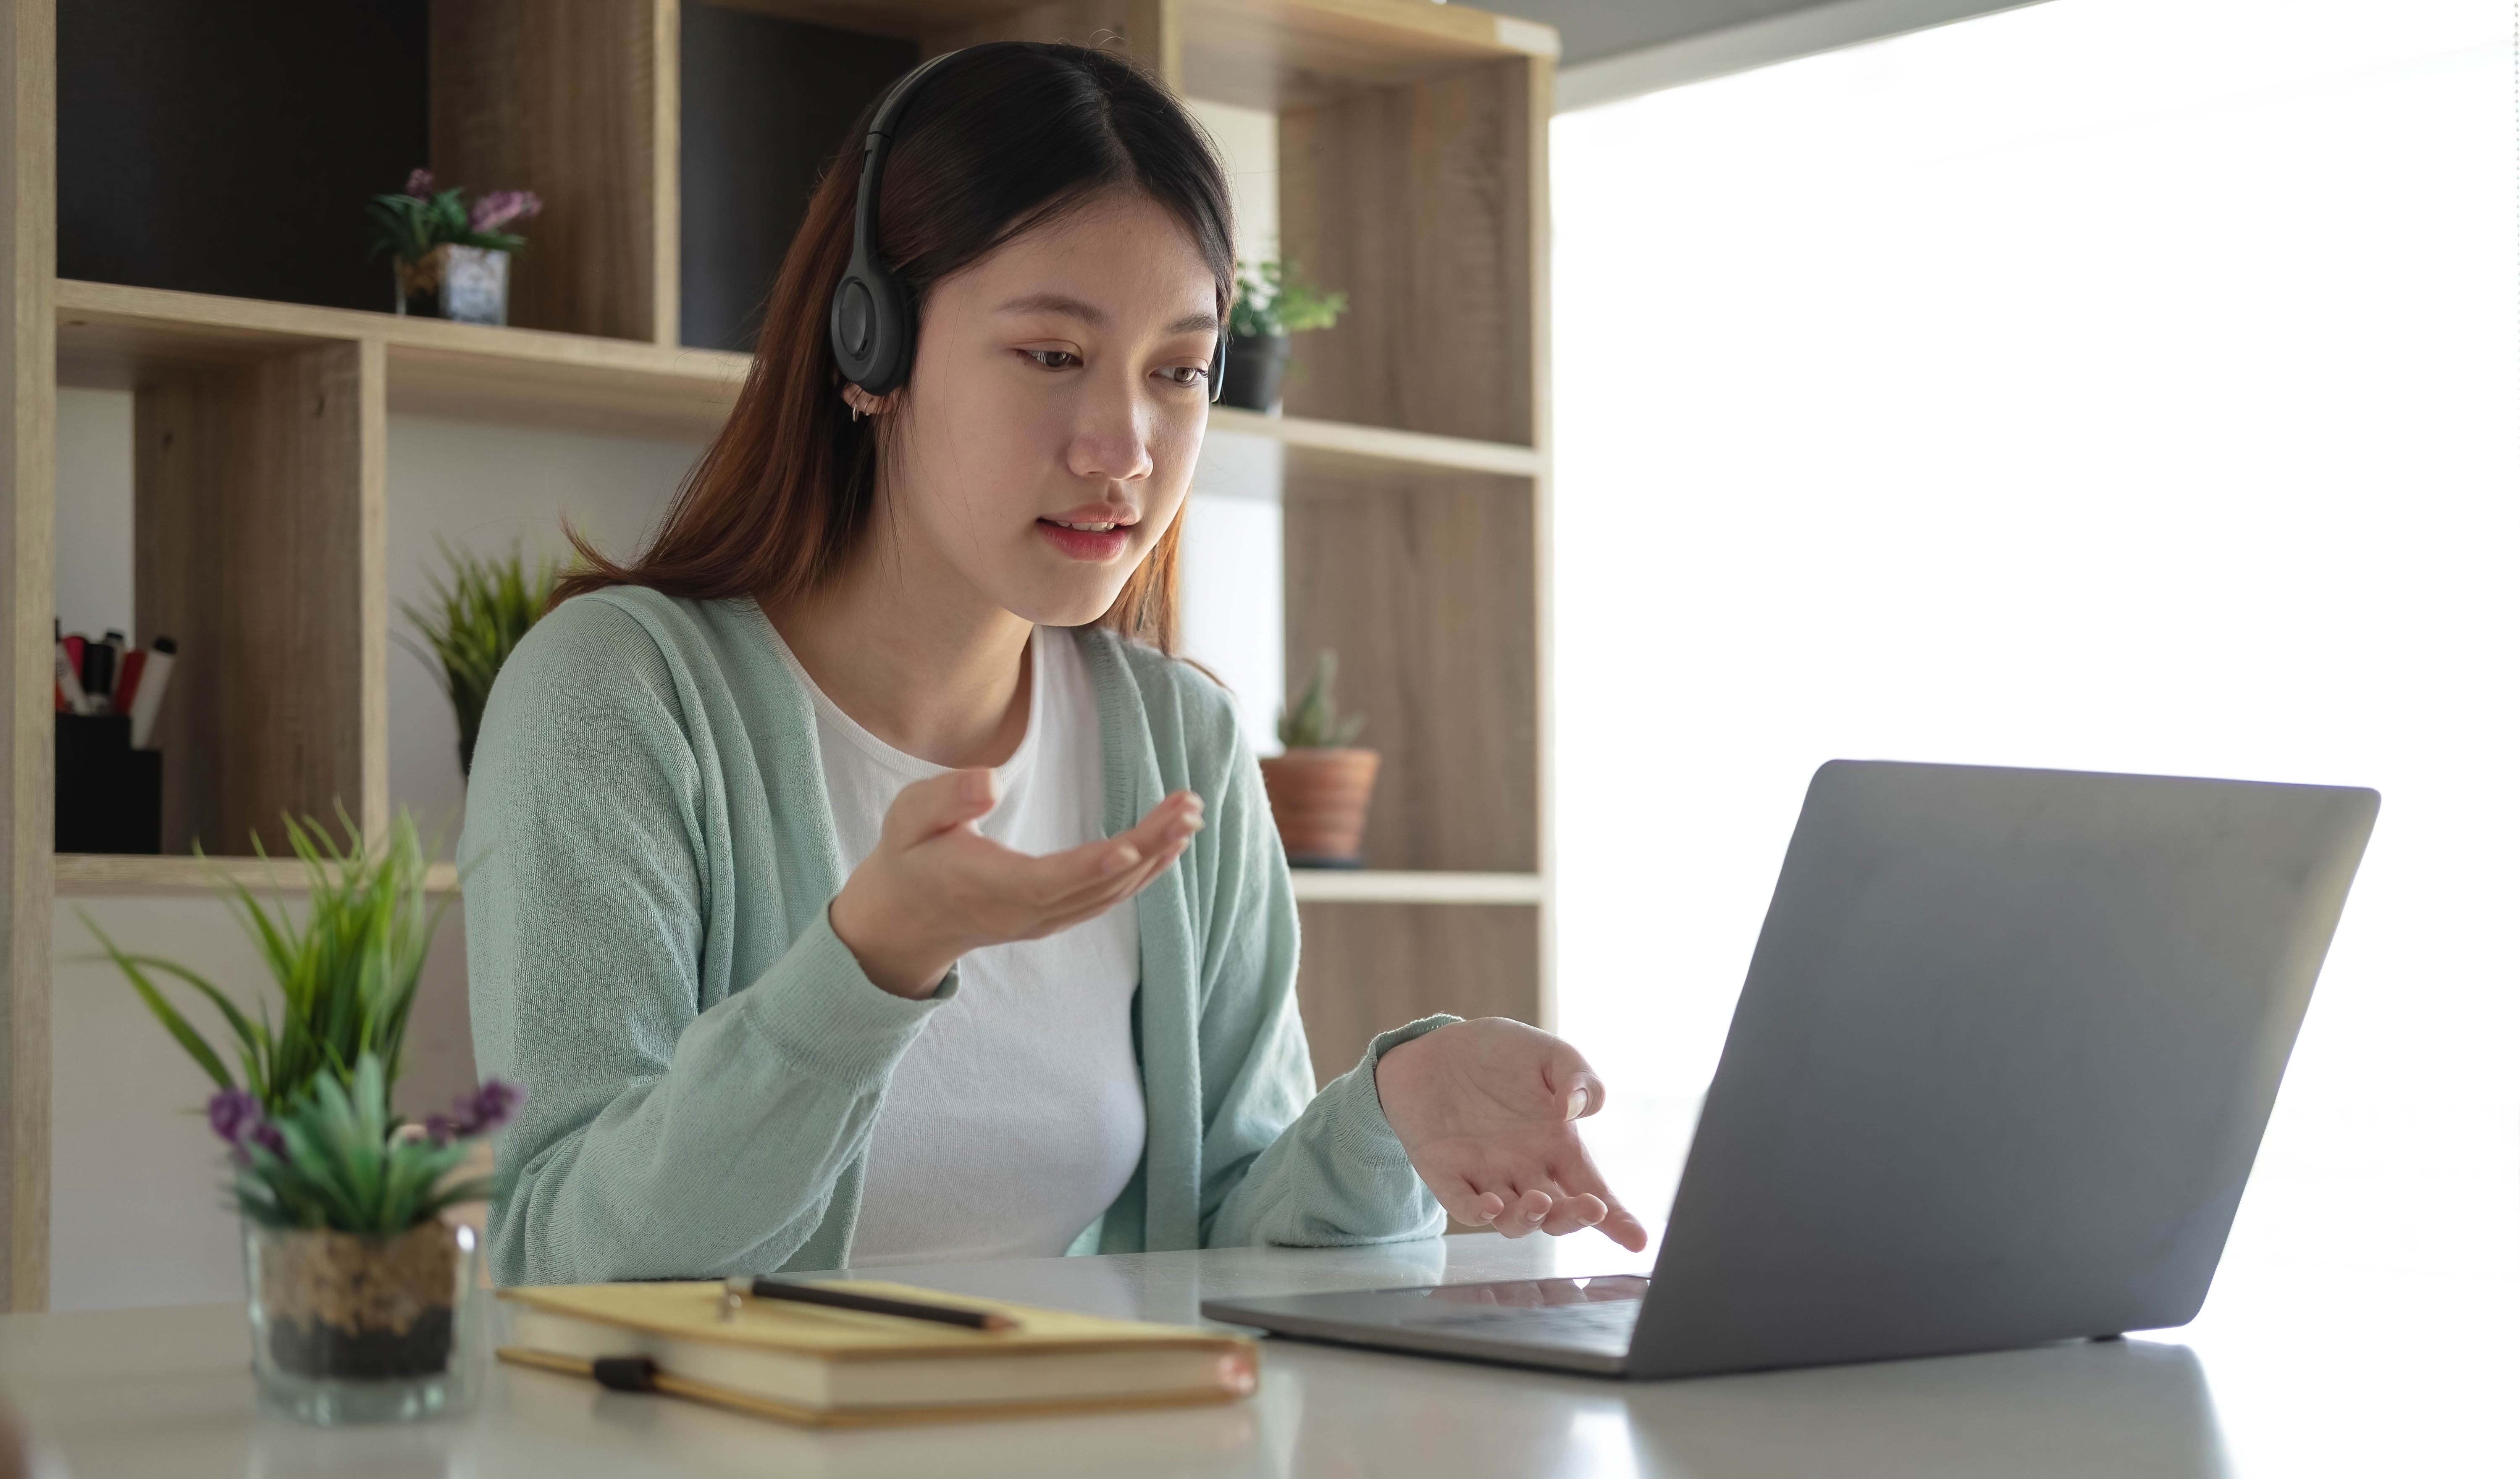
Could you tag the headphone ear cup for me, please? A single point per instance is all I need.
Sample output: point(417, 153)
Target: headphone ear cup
point(872, 329)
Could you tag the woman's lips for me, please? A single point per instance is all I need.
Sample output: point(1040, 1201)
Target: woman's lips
point(1093, 545)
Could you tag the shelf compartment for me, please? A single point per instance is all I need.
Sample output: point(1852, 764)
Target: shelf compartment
point(257, 499)
point(1369, 967)
point(114, 872)
point(1322, 886)
point(1427, 588)
point(1427, 205)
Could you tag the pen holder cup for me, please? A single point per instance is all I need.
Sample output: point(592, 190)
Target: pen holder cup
point(107, 796)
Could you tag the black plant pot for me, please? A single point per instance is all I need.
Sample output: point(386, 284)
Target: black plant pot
point(1256, 366)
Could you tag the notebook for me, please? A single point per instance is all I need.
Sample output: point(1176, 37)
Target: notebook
point(846, 1369)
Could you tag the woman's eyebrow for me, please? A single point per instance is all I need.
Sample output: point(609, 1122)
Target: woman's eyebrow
point(1059, 303)
point(1077, 308)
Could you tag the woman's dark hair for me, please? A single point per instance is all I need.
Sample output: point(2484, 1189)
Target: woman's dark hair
point(1001, 139)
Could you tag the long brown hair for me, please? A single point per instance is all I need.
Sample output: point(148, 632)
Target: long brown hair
point(999, 140)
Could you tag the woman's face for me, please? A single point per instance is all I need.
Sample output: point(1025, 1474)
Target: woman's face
point(1055, 407)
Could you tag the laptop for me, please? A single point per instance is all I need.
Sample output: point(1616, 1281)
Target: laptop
point(2007, 1048)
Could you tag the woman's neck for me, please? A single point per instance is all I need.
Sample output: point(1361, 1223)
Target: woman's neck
point(916, 656)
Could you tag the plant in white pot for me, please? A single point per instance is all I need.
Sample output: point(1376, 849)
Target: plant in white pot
point(354, 1284)
point(451, 262)
point(1319, 789)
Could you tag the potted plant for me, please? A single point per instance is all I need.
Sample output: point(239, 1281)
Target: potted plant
point(478, 611)
point(354, 1285)
point(450, 262)
point(1271, 299)
point(1320, 787)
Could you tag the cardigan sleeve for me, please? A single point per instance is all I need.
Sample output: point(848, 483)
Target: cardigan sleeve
point(1283, 1164)
point(659, 1139)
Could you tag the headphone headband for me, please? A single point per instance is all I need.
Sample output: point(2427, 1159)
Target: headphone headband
point(874, 319)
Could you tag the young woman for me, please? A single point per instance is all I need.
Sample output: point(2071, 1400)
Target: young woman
point(855, 878)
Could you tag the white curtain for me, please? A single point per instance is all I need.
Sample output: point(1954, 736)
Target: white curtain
point(2122, 385)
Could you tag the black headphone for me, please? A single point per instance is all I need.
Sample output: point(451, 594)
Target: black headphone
point(875, 323)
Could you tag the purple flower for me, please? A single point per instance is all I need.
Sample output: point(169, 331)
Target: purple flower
point(420, 184)
point(479, 1112)
point(236, 1117)
point(232, 1112)
point(500, 207)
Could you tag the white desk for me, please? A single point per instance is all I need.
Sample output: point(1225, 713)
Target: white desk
point(166, 1392)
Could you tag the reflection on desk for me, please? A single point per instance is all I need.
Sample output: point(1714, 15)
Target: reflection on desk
point(166, 1392)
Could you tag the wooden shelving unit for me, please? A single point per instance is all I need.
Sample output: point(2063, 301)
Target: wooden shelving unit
point(1411, 173)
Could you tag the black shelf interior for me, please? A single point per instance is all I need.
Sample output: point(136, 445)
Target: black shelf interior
point(218, 147)
point(766, 102)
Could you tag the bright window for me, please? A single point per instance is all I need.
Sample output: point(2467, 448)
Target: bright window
point(2122, 385)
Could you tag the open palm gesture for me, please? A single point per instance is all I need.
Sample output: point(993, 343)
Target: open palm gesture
point(1486, 1110)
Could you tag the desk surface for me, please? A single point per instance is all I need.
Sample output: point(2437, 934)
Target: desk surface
point(2427, 1390)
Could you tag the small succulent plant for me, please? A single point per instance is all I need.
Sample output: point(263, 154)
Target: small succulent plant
point(340, 1159)
point(1313, 721)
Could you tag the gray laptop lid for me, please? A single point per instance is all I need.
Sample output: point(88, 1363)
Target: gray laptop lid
point(2007, 1048)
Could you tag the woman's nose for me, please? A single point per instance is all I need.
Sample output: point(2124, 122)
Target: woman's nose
point(1111, 442)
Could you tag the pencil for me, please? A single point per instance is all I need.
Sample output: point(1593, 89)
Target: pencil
point(738, 1290)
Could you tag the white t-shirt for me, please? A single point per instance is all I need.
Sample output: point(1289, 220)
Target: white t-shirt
point(1017, 1113)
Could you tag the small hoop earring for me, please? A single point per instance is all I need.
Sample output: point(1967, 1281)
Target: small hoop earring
point(853, 413)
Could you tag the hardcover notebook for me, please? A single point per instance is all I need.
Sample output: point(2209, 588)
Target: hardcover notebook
point(846, 1369)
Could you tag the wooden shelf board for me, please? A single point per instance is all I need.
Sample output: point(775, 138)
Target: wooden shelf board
point(121, 872)
point(132, 873)
point(1291, 54)
point(118, 337)
point(1343, 446)
point(113, 336)
point(1330, 886)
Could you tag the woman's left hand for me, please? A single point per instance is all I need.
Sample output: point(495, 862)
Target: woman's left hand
point(1486, 1110)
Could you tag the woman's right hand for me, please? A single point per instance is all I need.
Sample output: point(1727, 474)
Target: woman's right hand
point(934, 889)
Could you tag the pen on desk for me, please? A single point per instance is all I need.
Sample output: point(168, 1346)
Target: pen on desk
point(740, 1288)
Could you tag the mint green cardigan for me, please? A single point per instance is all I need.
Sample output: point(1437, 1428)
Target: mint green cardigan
point(648, 857)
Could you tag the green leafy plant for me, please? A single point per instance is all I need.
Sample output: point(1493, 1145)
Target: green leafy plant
point(1271, 299)
point(304, 1109)
point(340, 1160)
point(422, 217)
point(345, 973)
point(479, 610)
point(1313, 721)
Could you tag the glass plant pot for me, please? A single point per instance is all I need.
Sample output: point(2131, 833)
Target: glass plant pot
point(349, 1329)
point(465, 284)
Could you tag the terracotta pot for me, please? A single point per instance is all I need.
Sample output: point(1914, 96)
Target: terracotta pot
point(1320, 797)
